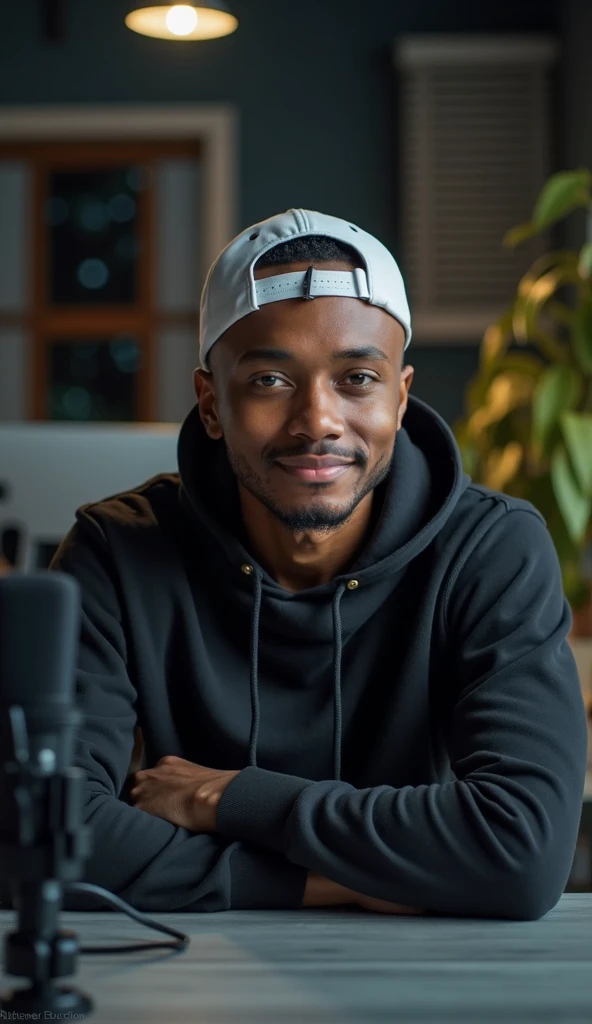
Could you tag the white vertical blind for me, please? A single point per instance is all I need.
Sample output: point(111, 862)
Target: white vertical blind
point(475, 151)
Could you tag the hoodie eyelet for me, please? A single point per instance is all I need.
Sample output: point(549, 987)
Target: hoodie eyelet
point(352, 584)
point(247, 569)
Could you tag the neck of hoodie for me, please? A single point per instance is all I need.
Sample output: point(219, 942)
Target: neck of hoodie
point(307, 561)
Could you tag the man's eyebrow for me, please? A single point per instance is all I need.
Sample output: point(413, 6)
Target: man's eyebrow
point(282, 354)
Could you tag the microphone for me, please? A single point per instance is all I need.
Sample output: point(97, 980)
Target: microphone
point(43, 843)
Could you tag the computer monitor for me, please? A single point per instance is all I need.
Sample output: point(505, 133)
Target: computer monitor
point(48, 470)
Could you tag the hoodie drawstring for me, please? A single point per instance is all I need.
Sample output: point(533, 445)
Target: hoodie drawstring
point(250, 570)
point(254, 668)
point(337, 681)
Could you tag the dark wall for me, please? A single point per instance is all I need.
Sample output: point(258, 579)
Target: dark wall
point(576, 120)
point(315, 87)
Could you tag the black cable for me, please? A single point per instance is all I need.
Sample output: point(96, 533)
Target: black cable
point(182, 940)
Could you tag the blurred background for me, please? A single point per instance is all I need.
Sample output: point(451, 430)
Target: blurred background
point(324, 105)
point(127, 161)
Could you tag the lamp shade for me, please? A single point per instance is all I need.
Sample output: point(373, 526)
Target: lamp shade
point(183, 22)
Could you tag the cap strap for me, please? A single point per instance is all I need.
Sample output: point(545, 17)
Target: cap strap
point(310, 283)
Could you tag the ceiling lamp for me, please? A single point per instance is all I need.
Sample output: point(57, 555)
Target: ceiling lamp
point(209, 20)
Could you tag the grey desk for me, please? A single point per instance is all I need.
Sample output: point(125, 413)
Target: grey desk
point(340, 967)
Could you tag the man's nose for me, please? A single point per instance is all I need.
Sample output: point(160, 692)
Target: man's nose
point(316, 412)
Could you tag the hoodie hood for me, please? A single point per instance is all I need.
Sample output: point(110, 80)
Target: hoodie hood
point(411, 506)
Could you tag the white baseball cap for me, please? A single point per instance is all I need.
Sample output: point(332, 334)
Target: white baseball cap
point(231, 292)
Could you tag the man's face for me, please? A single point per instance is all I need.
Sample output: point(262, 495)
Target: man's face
point(291, 380)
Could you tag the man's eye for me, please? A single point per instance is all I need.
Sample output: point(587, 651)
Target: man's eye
point(268, 376)
point(357, 378)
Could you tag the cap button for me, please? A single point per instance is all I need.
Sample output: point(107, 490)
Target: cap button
point(247, 569)
point(352, 584)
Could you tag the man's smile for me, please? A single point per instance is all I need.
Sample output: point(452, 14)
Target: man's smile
point(315, 468)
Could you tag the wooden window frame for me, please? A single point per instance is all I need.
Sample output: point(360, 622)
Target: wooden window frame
point(47, 322)
point(213, 126)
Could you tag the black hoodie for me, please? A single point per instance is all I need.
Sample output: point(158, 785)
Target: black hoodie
point(414, 729)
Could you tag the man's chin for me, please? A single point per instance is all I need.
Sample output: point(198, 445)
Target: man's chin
point(312, 515)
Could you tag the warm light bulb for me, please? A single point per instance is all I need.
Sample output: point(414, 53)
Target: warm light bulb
point(181, 20)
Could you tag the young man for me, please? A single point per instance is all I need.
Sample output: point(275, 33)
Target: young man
point(349, 663)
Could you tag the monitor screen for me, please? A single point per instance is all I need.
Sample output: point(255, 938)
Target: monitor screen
point(48, 470)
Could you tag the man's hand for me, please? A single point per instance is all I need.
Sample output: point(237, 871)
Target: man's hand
point(322, 892)
point(182, 792)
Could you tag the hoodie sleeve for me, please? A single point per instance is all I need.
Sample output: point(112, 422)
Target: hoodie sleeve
point(499, 840)
point(147, 861)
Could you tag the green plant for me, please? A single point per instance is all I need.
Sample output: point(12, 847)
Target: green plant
point(527, 428)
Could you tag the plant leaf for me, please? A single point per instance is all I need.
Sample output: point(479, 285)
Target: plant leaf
point(521, 362)
point(541, 494)
point(575, 585)
point(537, 292)
point(506, 391)
point(582, 334)
point(532, 297)
point(565, 258)
point(575, 507)
point(577, 431)
point(496, 339)
point(585, 261)
point(561, 194)
point(502, 465)
point(476, 392)
point(561, 313)
point(519, 234)
point(558, 388)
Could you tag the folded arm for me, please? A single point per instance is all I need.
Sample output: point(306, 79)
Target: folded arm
point(146, 860)
point(499, 840)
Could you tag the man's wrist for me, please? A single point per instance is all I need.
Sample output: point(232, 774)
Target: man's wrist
point(208, 796)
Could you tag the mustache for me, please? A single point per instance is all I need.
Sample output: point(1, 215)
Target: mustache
point(324, 449)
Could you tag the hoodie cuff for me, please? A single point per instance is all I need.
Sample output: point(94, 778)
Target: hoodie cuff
point(261, 880)
point(256, 806)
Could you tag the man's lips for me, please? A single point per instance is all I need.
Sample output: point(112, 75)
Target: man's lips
point(315, 468)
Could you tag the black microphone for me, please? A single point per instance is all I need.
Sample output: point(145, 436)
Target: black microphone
point(43, 843)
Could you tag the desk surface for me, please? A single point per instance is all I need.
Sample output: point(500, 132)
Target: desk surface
point(338, 966)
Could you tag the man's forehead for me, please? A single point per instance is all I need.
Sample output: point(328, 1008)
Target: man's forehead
point(338, 325)
point(334, 321)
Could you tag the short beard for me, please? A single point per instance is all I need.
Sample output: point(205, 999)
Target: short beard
point(318, 517)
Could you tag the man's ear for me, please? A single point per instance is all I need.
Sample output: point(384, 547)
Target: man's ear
point(205, 391)
point(404, 385)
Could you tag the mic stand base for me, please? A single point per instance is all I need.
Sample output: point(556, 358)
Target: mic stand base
point(45, 997)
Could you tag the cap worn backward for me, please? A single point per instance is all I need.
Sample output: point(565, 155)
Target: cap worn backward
point(231, 292)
